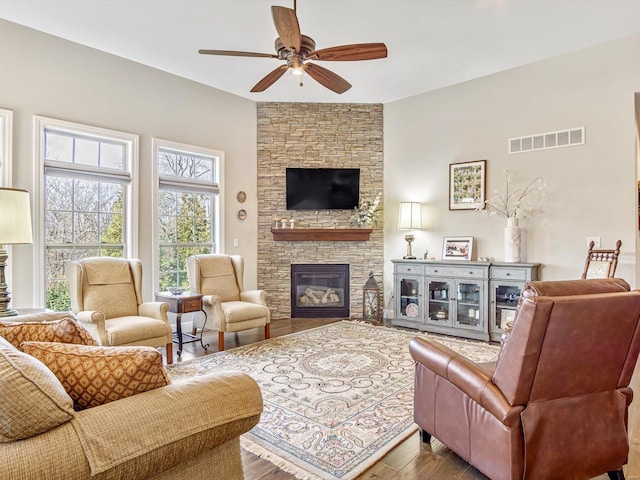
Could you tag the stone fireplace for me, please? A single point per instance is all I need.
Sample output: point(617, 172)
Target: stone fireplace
point(316, 135)
point(319, 290)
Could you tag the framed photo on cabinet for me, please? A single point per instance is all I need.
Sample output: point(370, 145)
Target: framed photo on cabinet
point(457, 248)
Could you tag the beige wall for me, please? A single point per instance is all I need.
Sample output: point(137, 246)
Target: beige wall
point(44, 75)
point(591, 188)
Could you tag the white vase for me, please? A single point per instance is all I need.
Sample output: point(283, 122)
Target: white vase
point(512, 235)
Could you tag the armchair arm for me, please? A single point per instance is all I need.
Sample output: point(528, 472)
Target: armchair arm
point(94, 320)
point(254, 296)
point(469, 377)
point(214, 302)
point(154, 310)
point(221, 407)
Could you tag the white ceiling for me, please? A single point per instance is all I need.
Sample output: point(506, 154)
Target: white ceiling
point(431, 43)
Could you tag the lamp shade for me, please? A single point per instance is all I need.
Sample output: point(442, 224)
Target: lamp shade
point(15, 216)
point(410, 216)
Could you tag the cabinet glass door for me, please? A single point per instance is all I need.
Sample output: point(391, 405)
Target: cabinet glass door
point(410, 297)
point(506, 297)
point(469, 298)
point(440, 303)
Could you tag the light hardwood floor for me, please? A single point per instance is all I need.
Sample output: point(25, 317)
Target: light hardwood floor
point(410, 460)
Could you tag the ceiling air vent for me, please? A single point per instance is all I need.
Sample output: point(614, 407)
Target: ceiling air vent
point(543, 141)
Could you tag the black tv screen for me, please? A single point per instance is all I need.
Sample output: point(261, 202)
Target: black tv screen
point(323, 188)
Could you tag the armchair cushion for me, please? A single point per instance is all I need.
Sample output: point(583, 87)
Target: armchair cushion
point(100, 272)
point(64, 330)
point(133, 329)
point(32, 400)
point(106, 279)
point(243, 311)
point(94, 376)
point(218, 275)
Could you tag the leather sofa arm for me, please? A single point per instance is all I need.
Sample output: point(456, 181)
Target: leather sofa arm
point(254, 296)
point(93, 320)
point(135, 434)
point(154, 310)
point(466, 375)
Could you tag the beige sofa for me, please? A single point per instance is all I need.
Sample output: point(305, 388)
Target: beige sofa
point(187, 429)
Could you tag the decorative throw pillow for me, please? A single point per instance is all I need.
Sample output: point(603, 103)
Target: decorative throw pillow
point(93, 376)
point(32, 400)
point(64, 330)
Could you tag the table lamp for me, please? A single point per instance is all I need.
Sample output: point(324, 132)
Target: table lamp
point(410, 218)
point(15, 228)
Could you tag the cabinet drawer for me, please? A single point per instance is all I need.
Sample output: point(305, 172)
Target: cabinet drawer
point(458, 272)
point(509, 273)
point(191, 306)
point(414, 269)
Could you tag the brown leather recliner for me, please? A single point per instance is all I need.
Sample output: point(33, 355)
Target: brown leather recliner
point(555, 407)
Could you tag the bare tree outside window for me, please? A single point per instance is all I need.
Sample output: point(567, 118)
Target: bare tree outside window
point(186, 212)
point(84, 210)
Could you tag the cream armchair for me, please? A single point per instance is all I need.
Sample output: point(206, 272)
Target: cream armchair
point(106, 296)
point(228, 306)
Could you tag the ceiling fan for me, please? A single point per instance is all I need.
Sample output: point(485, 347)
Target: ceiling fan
point(297, 50)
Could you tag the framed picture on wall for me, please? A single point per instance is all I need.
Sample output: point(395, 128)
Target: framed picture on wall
point(467, 185)
point(457, 248)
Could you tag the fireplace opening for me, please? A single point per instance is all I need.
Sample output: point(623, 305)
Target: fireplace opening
point(319, 290)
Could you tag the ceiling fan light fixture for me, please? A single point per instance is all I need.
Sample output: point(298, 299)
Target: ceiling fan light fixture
point(296, 50)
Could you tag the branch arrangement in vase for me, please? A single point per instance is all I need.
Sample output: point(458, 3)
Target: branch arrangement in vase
point(515, 202)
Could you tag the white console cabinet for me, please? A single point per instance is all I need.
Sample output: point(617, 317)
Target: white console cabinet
point(464, 299)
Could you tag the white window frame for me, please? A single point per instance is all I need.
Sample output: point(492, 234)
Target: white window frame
point(156, 145)
point(6, 172)
point(40, 124)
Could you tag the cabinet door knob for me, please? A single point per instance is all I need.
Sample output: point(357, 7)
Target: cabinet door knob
point(470, 273)
point(508, 274)
point(435, 271)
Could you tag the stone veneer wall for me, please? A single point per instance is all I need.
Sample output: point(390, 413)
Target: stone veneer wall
point(316, 135)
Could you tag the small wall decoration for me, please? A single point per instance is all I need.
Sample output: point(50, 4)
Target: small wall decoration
point(241, 196)
point(467, 185)
point(457, 248)
point(242, 214)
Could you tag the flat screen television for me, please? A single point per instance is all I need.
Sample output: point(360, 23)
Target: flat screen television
point(323, 188)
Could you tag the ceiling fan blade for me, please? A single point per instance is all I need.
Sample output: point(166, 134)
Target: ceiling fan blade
point(356, 51)
point(232, 53)
point(287, 27)
point(269, 79)
point(327, 78)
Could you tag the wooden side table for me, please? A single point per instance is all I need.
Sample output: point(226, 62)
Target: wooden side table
point(179, 304)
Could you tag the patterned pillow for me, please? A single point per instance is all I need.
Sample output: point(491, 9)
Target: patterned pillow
point(93, 376)
point(64, 330)
point(32, 400)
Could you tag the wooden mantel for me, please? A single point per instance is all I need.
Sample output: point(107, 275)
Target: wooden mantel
point(321, 234)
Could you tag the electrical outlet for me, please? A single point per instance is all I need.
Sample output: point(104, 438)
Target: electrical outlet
point(235, 242)
point(595, 240)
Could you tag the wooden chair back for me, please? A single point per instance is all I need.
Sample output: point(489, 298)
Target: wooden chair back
point(601, 263)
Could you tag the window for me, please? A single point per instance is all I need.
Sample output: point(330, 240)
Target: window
point(88, 200)
point(189, 208)
point(6, 134)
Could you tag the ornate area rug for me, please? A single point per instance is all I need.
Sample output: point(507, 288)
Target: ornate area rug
point(336, 398)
